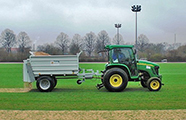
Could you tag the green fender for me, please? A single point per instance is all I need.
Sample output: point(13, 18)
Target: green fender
point(122, 66)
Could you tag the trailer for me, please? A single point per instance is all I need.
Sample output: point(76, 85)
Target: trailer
point(46, 69)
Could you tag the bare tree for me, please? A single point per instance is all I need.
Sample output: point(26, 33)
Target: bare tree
point(62, 41)
point(117, 41)
point(90, 39)
point(182, 51)
point(8, 39)
point(76, 44)
point(103, 39)
point(142, 42)
point(23, 41)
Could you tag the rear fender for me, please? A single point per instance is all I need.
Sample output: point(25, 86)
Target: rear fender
point(121, 66)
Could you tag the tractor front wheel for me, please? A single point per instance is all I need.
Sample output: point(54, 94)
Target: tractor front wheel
point(154, 84)
point(145, 76)
point(115, 80)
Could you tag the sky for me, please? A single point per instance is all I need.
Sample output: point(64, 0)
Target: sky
point(44, 20)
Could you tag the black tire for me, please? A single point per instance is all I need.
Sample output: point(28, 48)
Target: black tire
point(143, 83)
point(115, 80)
point(154, 84)
point(144, 79)
point(79, 82)
point(55, 81)
point(45, 84)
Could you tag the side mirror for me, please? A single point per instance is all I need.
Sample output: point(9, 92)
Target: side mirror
point(135, 51)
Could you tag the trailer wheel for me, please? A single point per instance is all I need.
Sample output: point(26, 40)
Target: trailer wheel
point(115, 80)
point(154, 84)
point(79, 82)
point(45, 84)
point(55, 81)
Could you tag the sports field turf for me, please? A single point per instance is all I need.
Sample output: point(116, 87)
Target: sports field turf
point(69, 96)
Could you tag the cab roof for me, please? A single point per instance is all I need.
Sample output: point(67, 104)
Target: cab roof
point(118, 46)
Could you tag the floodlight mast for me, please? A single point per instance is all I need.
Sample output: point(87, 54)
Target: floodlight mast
point(136, 8)
point(118, 26)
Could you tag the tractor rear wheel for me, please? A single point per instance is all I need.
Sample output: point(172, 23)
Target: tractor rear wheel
point(154, 84)
point(45, 84)
point(115, 80)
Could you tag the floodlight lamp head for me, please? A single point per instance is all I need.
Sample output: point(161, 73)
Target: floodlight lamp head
point(133, 8)
point(139, 8)
point(117, 25)
point(136, 8)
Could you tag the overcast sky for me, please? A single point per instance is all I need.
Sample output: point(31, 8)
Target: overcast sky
point(43, 20)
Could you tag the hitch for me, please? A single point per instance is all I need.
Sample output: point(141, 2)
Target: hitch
point(99, 86)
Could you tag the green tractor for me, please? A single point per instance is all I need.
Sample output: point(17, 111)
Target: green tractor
point(123, 66)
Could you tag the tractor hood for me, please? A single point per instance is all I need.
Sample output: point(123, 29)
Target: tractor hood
point(146, 63)
point(151, 68)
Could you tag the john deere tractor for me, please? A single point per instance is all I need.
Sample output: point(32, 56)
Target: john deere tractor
point(123, 67)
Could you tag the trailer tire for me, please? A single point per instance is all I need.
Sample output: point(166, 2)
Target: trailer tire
point(55, 81)
point(79, 82)
point(45, 84)
point(154, 84)
point(115, 80)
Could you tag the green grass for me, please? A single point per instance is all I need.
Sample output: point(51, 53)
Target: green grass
point(69, 96)
point(11, 75)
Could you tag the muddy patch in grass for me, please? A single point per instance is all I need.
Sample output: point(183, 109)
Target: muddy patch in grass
point(94, 115)
point(14, 90)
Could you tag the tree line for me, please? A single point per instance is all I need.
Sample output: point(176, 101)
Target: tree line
point(91, 44)
point(14, 47)
point(157, 52)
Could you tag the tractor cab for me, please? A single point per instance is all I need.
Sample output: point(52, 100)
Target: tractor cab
point(123, 55)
